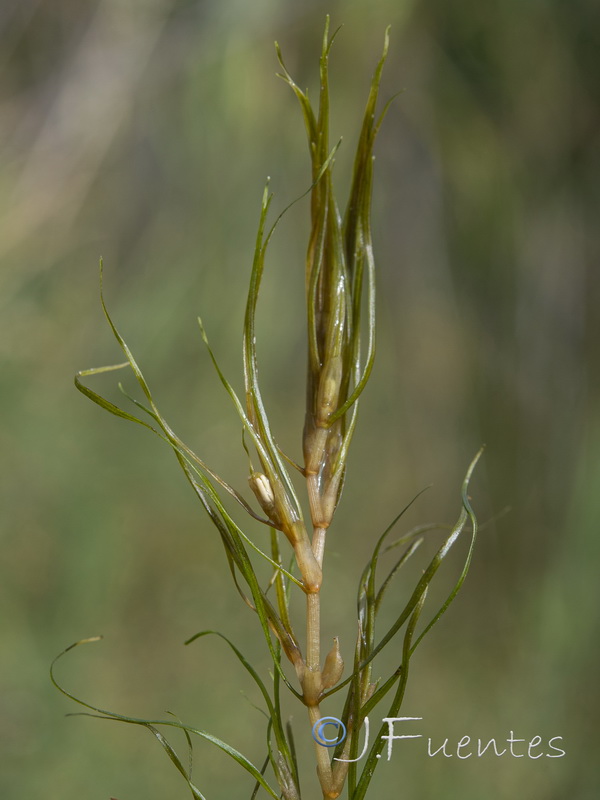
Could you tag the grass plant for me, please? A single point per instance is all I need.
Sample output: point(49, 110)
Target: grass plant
point(340, 303)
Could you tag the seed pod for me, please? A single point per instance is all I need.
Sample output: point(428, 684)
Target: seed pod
point(261, 486)
point(332, 471)
point(308, 565)
point(329, 389)
point(333, 667)
point(369, 692)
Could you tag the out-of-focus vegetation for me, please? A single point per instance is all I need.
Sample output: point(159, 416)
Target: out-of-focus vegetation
point(143, 132)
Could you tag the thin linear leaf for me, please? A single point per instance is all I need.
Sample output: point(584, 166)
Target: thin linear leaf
point(463, 574)
point(290, 738)
point(102, 401)
point(264, 766)
point(175, 443)
point(244, 563)
point(191, 456)
point(372, 759)
point(357, 233)
point(236, 401)
point(235, 548)
point(253, 393)
point(242, 659)
point(410, 551)
point(417, 531)
point(434, 563)
point(230, 751)
point(280, 587)
point(189, 744)
point(426, 578)
point(367, 580)
point(175, 758)
point(273, 712)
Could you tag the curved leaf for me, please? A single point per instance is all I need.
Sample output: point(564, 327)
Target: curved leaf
point(151, 724)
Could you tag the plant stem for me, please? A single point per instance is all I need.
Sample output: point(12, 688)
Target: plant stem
point(318, 544)
point(312, 680)
point(323, 763)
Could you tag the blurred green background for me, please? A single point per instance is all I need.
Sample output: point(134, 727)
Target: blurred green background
point(142, 131)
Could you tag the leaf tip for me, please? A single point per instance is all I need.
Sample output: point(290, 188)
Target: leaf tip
point(202, 331)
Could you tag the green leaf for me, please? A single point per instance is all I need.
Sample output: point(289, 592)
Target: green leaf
point(151, 725)
point(274, 714)
point(372, 761)
point(175, 758)
point(434, 564)
point(367, 595)
point(190, 456)
point(266, 763)
point(231, 534)
point(357, 236)
point(231, 392)
point(274, 466)
point(102, 401)
point(473, 520)
point(245, 663)
point(280, 586)
point(367, 598)
point(410, 551)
